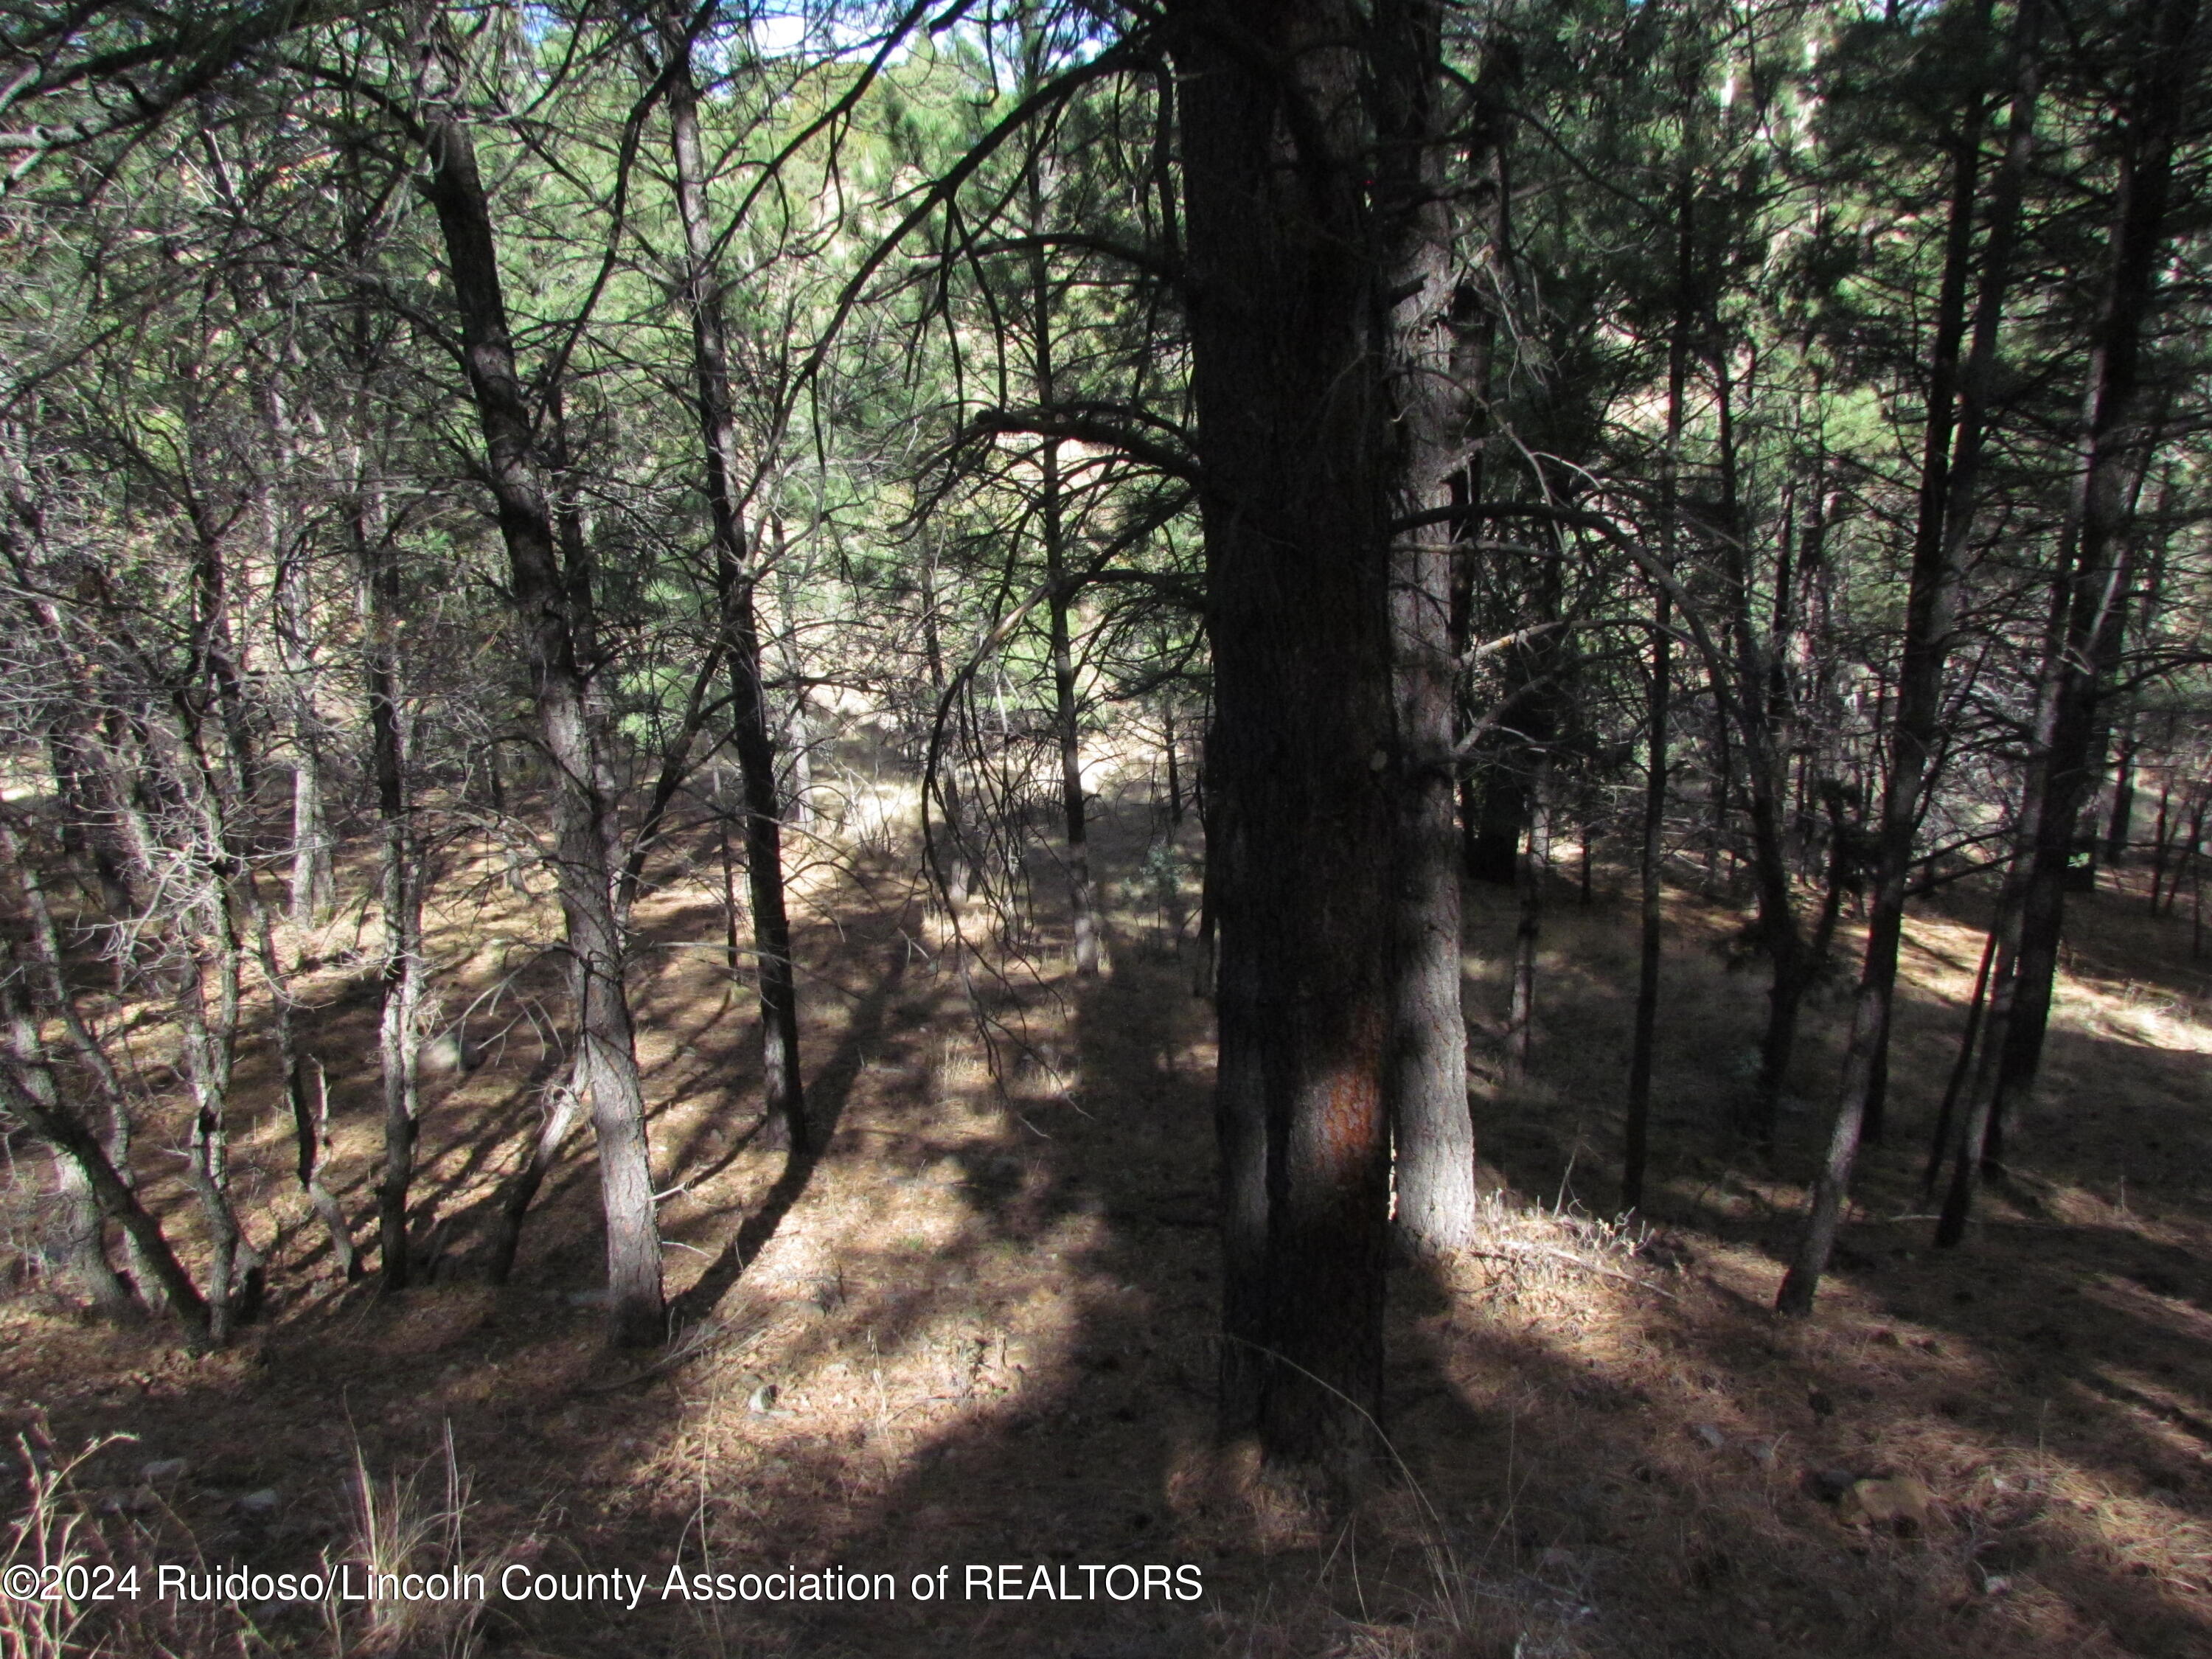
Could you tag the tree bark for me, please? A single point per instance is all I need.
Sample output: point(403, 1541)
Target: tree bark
point(399, 977)
point(1643, 1041)
point(1958, 405)
point(2096, 565)
point(1763, 722)
point(564, 1106)
point(1430, 335)
point(1286, 333)
point(75, 1231)
point(1060, 596)
point(53, 1122)
point(737, 578)
point(583, 814)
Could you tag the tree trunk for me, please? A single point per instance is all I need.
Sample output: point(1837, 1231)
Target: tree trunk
point(1946, 1115)
point(2160, 842)
point(1527, 932)
point(399, 976)
point(1950, 473)
point(737, 577)
point(313, 878)
point(53, 1122)
point(564, 1106)
point(1762, 723)
point(2121, 828)
point(1643, 1043)
point(1294, 436)
point(44, 941)
point(583, 812)
point(1435, 338)
point(74, 1233)
point(2096, 565)
point(1060, 596)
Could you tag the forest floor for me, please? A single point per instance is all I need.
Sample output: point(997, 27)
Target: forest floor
point(977, 1330)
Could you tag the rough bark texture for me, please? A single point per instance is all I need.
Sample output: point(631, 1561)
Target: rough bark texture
point(1287, 323)
point(1428, 341)
point(583, 812)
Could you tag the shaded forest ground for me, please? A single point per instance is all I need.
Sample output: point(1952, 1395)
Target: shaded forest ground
point(978, 1331)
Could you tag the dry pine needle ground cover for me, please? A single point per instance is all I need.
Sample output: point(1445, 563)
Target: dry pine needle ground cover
point(977, 1331)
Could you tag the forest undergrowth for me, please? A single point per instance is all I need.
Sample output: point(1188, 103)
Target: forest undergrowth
point(979, 1328)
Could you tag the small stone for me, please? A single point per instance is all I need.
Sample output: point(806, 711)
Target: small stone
point(163, 1470)
point(259, 1505)
point(1996, 1584)
point(1710, 1434)
point(1762, 1453)
point(764, 1399)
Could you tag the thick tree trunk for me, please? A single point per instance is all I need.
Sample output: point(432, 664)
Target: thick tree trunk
point(1286, 338)
point(737, 577)
point(583, 812)
point(1433, 332)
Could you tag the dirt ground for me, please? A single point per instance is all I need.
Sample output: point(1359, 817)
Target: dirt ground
point(975, 1333)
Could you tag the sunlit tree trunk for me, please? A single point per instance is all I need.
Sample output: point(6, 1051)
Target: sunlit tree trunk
point(585, 827)
point(737, 578)
point(1431, 332)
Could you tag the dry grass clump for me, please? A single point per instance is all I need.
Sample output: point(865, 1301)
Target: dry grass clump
point(80, 1566)
point(85, 1559)
point(403, 1528)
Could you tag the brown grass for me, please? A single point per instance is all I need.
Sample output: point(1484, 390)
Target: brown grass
point(980, 1331)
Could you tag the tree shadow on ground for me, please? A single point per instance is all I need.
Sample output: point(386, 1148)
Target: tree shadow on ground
point(987, 1320)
